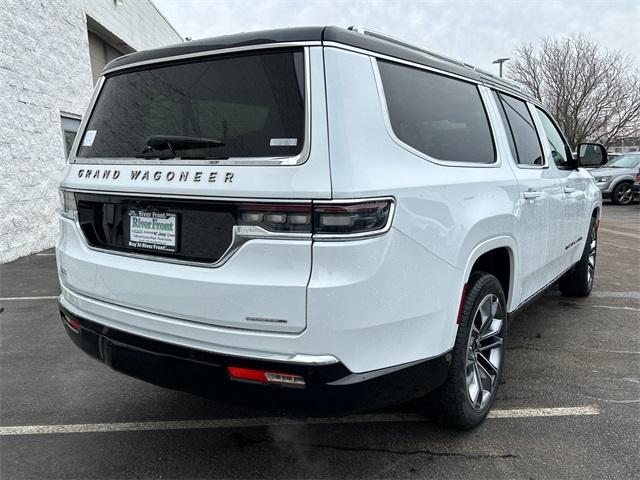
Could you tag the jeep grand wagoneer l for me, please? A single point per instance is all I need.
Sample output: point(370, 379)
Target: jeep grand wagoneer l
point(318, 216)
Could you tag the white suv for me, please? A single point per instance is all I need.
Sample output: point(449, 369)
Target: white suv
point(316, 217)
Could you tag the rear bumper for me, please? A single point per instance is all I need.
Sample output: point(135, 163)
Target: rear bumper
point(327, 387)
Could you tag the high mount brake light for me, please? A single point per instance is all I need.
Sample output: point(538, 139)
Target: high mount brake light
point(324, 220)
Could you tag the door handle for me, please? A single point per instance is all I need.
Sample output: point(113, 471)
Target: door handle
point(531, 194)
point(569, 189)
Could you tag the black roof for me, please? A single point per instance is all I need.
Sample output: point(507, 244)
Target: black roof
point(370, 42)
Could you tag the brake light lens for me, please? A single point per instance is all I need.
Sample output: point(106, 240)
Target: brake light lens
point(356, 218)
point(325, 220)
point(67, 203)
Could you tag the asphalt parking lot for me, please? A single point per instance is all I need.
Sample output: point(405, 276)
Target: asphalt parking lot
point(569, 407)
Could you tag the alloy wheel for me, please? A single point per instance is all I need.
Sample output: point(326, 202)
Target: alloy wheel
point(591, 262)
point(485, 350)
point(624, 194)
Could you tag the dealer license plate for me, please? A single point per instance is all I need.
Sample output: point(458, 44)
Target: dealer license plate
point(150, 230)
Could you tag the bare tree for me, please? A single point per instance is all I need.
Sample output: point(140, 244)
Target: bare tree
point(594, 94)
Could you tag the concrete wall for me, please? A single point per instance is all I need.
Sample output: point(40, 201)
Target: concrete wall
point(45, 70)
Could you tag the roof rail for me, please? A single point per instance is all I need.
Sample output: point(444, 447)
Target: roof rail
point(438, 56)
point(404, 43)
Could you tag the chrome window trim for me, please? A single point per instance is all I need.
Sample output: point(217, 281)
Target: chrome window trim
point(212, 52)
point(328, 237)
point(298, 159)
point(85, 119)
point(497, 162)
point(534, 116)
point(546, 148)
point(390, 58)
point(542, 137)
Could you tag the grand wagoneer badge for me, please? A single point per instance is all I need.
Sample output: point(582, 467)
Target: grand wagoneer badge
point(158, 175)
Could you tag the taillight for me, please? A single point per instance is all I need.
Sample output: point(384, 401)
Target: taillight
point(274, 217)
point(351, 218)
point(67, 203)
point(326, 220)
point(638, 177)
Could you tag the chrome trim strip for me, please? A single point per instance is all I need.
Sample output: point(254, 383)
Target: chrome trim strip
point(515, 93)
point(85, 119)
point(445, 163)
point(298, 159)
point(67, 300)
point(212, 52)
point(389, 58)
point(185, 197)
point(240, 235)
point(327, 237)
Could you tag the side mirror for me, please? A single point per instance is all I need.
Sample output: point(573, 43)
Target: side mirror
point(592, 155)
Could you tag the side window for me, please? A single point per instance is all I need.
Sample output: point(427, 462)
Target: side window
point(559, 149)
point(505, 122)
point(437, 115)
point(527, 144)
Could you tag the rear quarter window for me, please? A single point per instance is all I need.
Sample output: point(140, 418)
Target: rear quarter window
point(439, 116)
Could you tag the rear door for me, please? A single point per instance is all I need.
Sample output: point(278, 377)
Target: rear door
point(539, 205)
point(194, 181)
point(575, 221)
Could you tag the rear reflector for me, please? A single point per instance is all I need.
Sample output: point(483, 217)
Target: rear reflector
point(262, 376)
point(72, 324)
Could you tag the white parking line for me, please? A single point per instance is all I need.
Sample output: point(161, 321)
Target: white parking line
point(275, 421)
point(13, 299)
point(45, 254)
point(610, 307)
point(618, 232)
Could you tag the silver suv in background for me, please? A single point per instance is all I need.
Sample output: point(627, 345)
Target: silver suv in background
point(615, 179)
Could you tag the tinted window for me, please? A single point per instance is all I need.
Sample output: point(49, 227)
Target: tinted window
point(631, 160)
point(523, 130)
point(439, 116)
point(507, 129)
point(560, 152)
point(253, 105)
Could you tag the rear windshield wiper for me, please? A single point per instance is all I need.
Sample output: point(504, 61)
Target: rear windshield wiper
point(179, 142)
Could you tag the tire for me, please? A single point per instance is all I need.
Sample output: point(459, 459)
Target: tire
point(622, 194)
point(462, 403)
point(578, 281)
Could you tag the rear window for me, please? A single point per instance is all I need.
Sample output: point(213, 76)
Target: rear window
point(244, 106)
point(437, 115)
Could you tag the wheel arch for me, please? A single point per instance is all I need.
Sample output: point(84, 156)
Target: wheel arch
point(489, 256)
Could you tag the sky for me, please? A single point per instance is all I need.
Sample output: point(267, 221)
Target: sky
point(476, 32)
